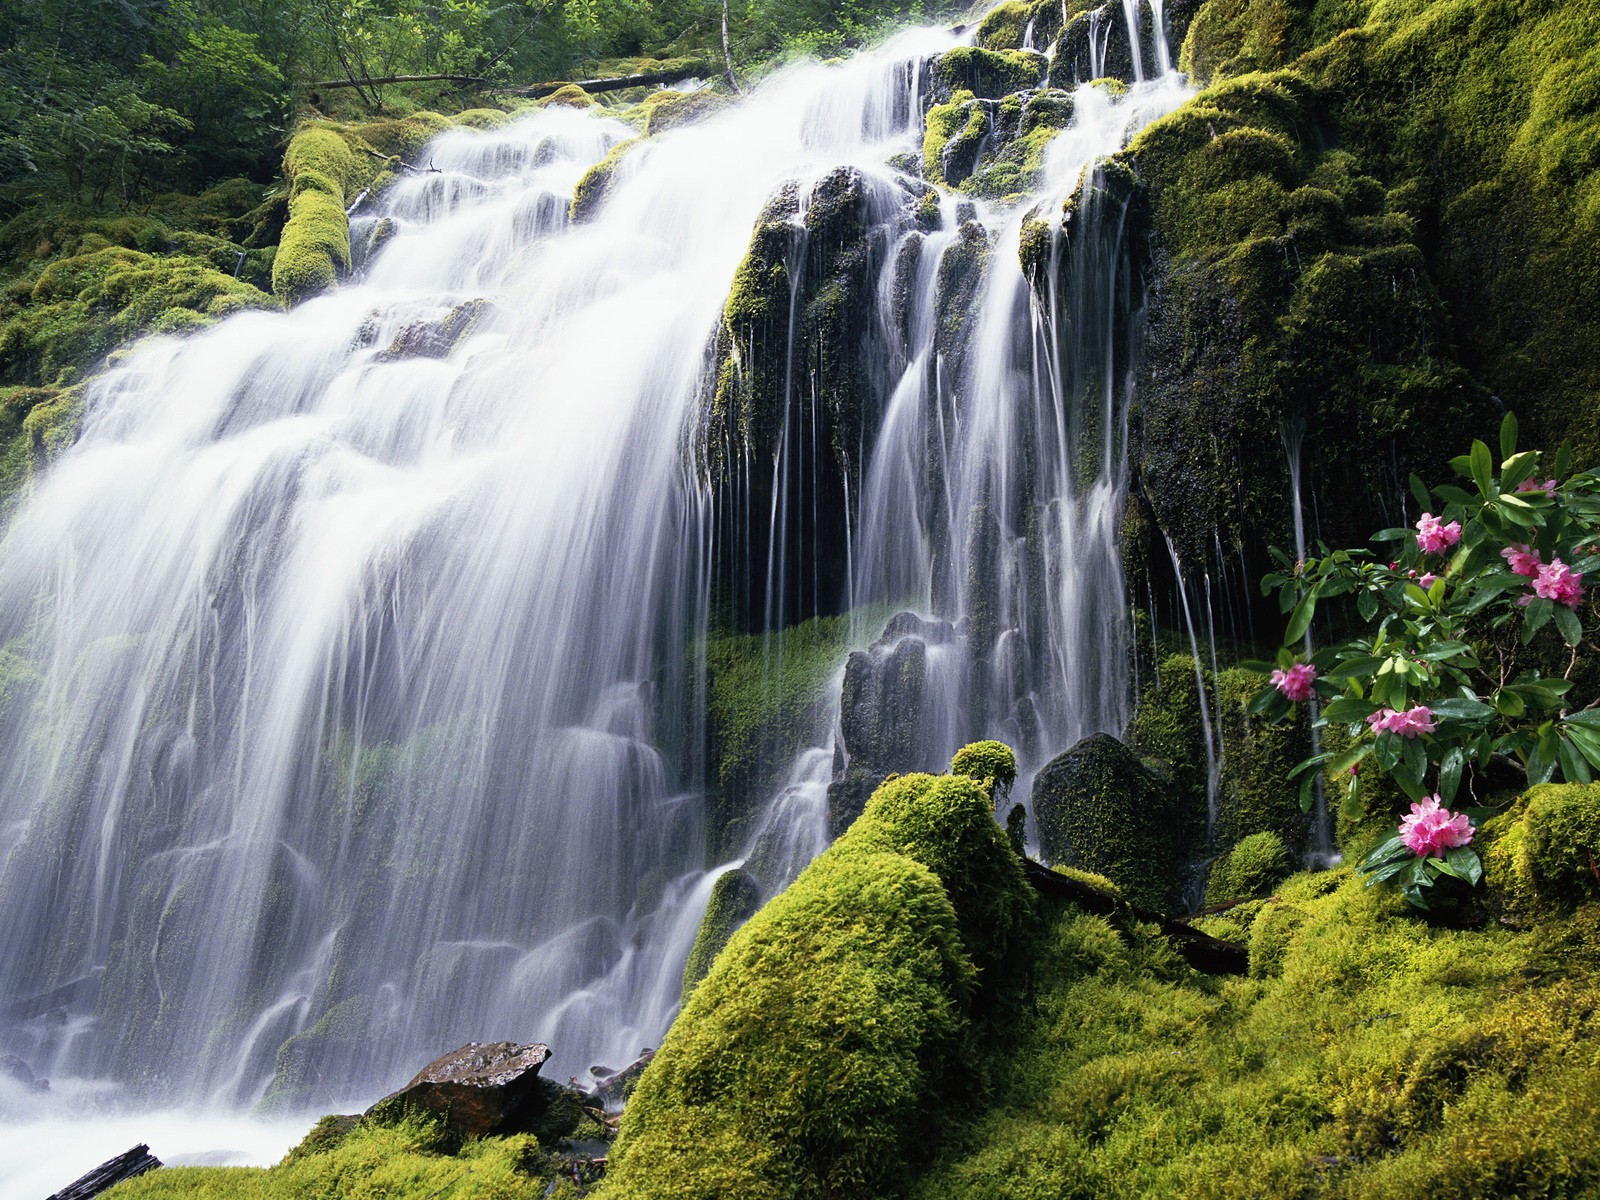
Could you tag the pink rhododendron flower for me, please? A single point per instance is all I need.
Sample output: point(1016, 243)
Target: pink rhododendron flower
point(1295, 683)
point(1433, 535)
point(1523, 560)
point(1433, 829)
point(1427, 581)
point(1409, 724)
point(1560, 583)
point(1548, 487)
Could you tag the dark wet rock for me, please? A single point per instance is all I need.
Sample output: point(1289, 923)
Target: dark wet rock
point(1098, 808)
point(612, 1088)
point(436, 339)
point(492, 1088)
point(128, 1165)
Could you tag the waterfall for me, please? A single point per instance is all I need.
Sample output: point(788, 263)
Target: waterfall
point(349, 711)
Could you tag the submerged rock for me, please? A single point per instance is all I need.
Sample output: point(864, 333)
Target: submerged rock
point(492, 1088)
point(436, 339)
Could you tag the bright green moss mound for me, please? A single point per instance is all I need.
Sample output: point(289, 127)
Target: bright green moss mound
point(409, 1159)
point(810, 1060)
point(327, 167)
point(1252, 868)
point(988, 762)
point(1542, 854)
point(990, 74)
point(1380, 1058)
point(946, 823)
point(735, 898)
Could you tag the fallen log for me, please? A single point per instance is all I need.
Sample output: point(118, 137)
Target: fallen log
point(618, 83)
point(107, 1175)
point(1209, 955)
point(386, 80)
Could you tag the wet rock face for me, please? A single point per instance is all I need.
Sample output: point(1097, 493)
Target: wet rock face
point(882, 711)
point(436, 339)
point(491, 1088)
point(1098, 808)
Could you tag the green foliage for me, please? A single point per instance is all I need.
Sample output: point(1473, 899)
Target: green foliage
point(991, 763)
point(371, 1161)
point(1492, 572)
point(990, 74)
point(1253, 866)
point(735, 898)
point(1003, 27)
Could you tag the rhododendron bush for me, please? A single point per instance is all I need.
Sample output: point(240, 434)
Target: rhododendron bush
point(1445, 672)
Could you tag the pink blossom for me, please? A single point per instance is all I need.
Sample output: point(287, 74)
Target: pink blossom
point(1427, 581)
point(1433, 535)
point(1523, 560)
point(1548, 487)
point(1560, 583)
point(1409, 724)
point(1295, 683)
point(1433, 829)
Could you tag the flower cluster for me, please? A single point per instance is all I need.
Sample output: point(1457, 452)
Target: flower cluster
point(1434, 536)
point(1560, 583)
point(1410, 724)
point(1295, 683)
point(1523, 560)
point(1432, 830)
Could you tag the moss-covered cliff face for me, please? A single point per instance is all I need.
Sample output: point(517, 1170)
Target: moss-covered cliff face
point(1379, 220)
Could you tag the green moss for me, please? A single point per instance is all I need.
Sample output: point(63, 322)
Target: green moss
point(809, 1062)
point(597, 181)
point(569, 96)
point(765, 695)
point(951, 138)
point(735, 898)
point(990, 763)
point(946, 823)
point(1542, 855)
point(1004, 26)
point(1252, 867)
point(1378, 1057)
point(404, 1160)
point(1096, 807)
point(990, 74)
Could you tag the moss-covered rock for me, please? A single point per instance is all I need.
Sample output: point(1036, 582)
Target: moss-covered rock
point(809, 1062)
point(735, 898)
point(1004, 26)
point(991, 763)
point(988, 74)
point(1252, 868)
point(598, 180)
point(1542, 854)
point(1096, 807)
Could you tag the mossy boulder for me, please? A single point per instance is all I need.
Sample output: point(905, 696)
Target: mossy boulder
point(809, 1062)
point(992, 764)
point(735, 898)
point(598, 180)
point(987, 74)
point(1004, 26)
point(1098, 808)
point(1251, 869)
point(1543, 855)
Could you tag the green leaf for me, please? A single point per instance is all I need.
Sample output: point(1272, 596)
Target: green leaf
point(1348, 710)
point(1587, 742)
point(1508, 436)
point(1481, 466)
point(1461, 708)
point(1440, 651)
point(1517, 468)
point(1574, 766)
point(1535, 617)
point(1567, 623)
point(1467, 864)
point(1450, 768)
point(1383, 852)
point(1589, 718)
point(1542, 758)
point(1367, 605)
point(1301, 620)
point(1393, 534)
point(1461, 464)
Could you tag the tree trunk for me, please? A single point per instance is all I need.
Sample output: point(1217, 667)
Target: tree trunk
point(108, 1174)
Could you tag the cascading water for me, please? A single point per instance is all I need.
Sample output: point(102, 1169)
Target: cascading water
point(347, 711)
